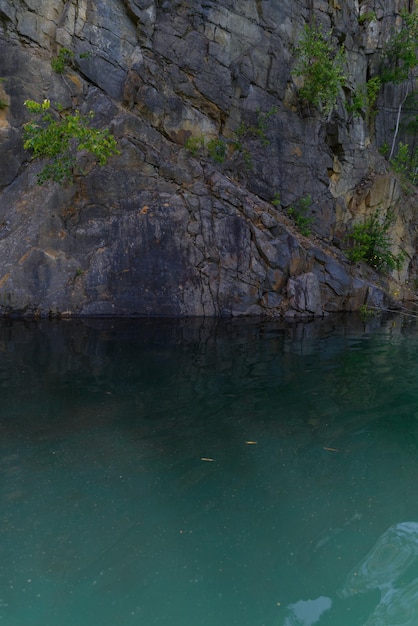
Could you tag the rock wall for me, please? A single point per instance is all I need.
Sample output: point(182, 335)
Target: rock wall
point(161, 230)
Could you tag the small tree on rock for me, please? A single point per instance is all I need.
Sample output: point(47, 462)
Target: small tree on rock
point(63, 137)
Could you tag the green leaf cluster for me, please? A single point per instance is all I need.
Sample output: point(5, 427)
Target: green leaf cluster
point(367, 17)
point(410, 120)
point(365, 97)
point(62, 138)
point(64, 58)
point(401, 56)
point(220, 148)
point(194, 145)
point(405, 164)
point(259, 129)
point(371, 243)
point(3, 103)
point(367, 312)
point(300, 213)
point(216, 148)
point(322, 67)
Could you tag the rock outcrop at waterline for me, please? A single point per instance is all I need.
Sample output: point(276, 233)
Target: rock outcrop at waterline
point(161, 229)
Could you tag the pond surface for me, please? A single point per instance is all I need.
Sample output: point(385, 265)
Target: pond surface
point(203, 473)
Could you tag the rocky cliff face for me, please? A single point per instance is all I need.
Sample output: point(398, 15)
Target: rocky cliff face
point(164, 229)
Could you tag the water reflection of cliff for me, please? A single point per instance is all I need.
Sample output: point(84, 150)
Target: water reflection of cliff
point(391, 568)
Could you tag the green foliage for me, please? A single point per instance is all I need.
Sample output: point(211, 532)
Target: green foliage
point(3, 103)
point(405, 164)
point(217, 150)
point(245, 155)
point(259, 129)
point(373, 86)
point(60, 139)
point(301, 215)
point(372, 244)
point(276, 199)
point(63, 59)
point(194, 145)
point(248, 132)
point(400, 65)
point(367, 17)
point(401, 56)
point(364, 99)
point(409, 123)
point(321, 66)
point(366, 312)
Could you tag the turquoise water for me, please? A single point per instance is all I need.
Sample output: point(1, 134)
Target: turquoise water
point(197, 473)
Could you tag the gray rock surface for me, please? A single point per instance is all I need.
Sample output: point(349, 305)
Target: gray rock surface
point(160, 231)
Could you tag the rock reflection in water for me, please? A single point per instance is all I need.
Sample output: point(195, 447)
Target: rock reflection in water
point(110, 514)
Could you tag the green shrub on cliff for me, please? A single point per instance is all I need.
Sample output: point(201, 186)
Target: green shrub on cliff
point(371, 243)
point(367, 17)
point(257, 130)
point(321, 65)
point(221, 148)
point(400, 65)
point(215, 148)
point(194, 145)
point(405, 164)
point(364, 98)
point(401, 54)
point(62, 138)
point(301, 215)
point(3, 103)
point(64, 58)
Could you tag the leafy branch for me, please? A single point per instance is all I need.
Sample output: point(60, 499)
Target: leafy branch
point(301, 215)
point(365, 97)
point(62, 138)
point(321, 66)
point(401, 61)
point(371, 243)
